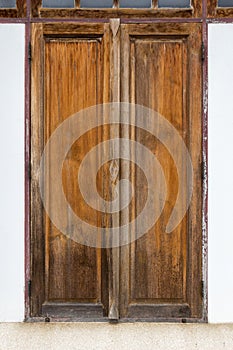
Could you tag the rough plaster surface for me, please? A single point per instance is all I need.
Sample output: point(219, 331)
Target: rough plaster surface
point(137, 336)
point(12, 172)
point(220, 238)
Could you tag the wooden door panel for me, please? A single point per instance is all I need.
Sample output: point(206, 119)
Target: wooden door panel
point(74, 62)
point(72, 80)
point(164, 74)
point(74, 66)
point(159, 259)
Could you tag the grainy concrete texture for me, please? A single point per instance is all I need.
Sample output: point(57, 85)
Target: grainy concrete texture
point(137, 336)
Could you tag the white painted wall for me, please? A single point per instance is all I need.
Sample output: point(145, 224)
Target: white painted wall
point(220, 173)
point(12, 172)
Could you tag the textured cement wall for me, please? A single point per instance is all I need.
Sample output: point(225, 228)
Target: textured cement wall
point(220, 237)
point(137, 336)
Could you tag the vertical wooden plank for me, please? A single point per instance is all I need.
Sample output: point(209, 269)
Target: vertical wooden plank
point(195, 141)
point(116, 3)
point(212, 7)
point(77, 4)
point(197, 7)
point(154, 4)
point(21, 8)
point(126, 133)
point(78, 66)
point(35, 6)
point(106, 217)
point(160, 69)
point(37, 139)
point(103, 180)
point(114, 169)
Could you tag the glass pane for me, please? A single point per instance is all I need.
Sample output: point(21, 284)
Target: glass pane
point(58, 3)
point(135, 3)
point(174, 3)
point(7, 3)
point(96, 3)
point(225, 3)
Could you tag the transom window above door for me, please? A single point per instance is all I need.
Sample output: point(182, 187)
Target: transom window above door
point(117, 8)
point(116, 4)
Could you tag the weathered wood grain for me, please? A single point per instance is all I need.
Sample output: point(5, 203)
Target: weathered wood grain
point(18, 12)
point(164, 73)
point(69, 73)
point(114, 267)
point(155, 65)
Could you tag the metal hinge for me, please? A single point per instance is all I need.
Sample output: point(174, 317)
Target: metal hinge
point(29, 288)
point(203, 51)
point(47, 318)
point(203, 170)
point(29, 52)
point(202, 289)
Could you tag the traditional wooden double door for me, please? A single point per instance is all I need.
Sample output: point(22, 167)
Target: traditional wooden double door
point(156, 65)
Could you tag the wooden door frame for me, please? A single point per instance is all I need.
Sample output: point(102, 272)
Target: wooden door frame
point(38, 31)
point(6, 17)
